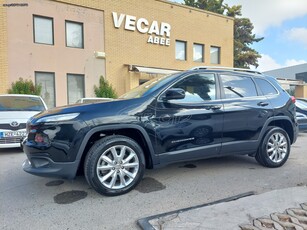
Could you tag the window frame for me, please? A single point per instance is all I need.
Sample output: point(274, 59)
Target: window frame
point(185, 50)
point(54, 88)
point(219, 55)
point(75, 74)
point(82, 33)
point(203, 52)
point(52, 22)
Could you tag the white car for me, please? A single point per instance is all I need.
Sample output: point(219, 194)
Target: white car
point(88, 100)
point(15, 110)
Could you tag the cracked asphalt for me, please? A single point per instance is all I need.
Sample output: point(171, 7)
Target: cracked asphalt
point(30, 202)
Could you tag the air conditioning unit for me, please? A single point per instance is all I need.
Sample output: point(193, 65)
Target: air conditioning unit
point(99, 54)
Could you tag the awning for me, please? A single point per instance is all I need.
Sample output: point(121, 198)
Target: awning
point(151, 70)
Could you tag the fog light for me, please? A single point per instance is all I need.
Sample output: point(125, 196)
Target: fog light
point(37, 162)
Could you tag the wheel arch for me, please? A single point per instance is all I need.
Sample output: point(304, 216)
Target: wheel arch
point(284, 123)
point(135, 132)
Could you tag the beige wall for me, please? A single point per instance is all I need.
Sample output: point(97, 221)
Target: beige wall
point(131, 47)
point(25, 57)
point(3, 49)
point(121, 47)
point(301, 91)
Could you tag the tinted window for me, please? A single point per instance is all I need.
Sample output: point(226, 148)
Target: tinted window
point(238, 86)
point(198, 88)
point(18, 103)
point(266, 87)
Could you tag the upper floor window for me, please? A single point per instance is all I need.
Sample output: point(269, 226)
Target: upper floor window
point(74, 34)
point(43, 30)
point(181, 50)
point(238, 86)
point(198, 52)
point(215, 55)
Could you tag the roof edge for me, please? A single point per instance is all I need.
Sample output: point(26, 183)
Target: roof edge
point(196, 9)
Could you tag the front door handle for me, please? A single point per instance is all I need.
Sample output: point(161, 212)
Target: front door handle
point(262, 103)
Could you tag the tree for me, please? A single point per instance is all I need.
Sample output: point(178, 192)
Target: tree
point(244, 55)
point(104, 89)
point(25, 87)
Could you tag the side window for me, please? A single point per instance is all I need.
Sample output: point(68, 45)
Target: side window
point(238, 86)
point(198, 88)
point(266, 87)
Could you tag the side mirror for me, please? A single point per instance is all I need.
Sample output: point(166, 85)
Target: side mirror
point(174, 94)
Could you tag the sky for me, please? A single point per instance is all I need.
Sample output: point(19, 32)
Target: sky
point(283, 24)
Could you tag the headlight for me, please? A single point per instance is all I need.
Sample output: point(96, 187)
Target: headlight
point(61, 117)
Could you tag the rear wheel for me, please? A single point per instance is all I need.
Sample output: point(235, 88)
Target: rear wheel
point(114, 165)
point(274, 149)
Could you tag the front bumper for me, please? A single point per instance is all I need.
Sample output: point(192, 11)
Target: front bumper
point(44, 166)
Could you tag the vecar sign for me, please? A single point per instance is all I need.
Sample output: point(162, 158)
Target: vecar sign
point(159, 33)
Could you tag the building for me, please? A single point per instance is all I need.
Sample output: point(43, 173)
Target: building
point(67, 45)
point(292, 77)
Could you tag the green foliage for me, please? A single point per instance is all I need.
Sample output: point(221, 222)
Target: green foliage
point(215, 6)
point(244, 55)
point(104, 89)
point(25, 87)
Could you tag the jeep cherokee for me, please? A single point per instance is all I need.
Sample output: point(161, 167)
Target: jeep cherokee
point(200, 113)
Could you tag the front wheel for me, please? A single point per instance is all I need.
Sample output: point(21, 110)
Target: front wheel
point(114, 165)
point(275, 148)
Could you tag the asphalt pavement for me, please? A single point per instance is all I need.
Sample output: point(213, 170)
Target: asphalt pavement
point(31, 202)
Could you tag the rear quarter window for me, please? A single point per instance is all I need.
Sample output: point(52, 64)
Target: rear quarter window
point(266, 87)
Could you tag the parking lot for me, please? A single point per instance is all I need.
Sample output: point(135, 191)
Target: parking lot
point(30, 202)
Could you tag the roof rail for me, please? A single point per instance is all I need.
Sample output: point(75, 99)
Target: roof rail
point(226, 68)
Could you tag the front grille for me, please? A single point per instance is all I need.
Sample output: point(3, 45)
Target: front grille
point(9, 127)
point(10, 140)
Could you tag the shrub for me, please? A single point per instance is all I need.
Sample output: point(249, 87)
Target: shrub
point(25, 87)
point(104, 89)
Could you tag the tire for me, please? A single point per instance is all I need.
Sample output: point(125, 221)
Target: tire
point(114, 165)
point(274, 149)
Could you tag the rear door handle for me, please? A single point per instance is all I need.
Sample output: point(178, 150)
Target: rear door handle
point(263, 104)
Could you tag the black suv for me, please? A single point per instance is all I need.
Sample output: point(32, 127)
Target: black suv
point(196, 114)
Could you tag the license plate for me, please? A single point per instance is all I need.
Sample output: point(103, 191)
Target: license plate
point(13, 134)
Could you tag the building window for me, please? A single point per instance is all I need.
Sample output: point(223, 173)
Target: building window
point(215, 53)
point(43, 30)
point(198, 52)
point(74, 34)
point(181, 50)
point(75, 87)
point(46, 80)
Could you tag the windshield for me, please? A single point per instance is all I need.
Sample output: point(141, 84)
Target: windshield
point(148, 87)
point(19, 103)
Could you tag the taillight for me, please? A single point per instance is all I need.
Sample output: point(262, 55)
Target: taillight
point(293, 99)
